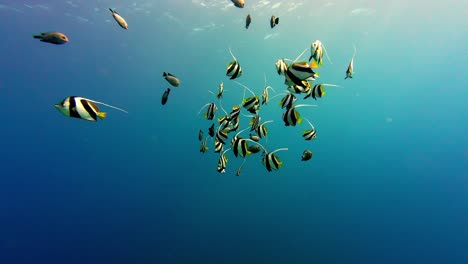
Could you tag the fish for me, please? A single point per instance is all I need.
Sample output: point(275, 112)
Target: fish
point(56, 38)
point(203, 146)
point(274, 21)
point(220, 90)
point(119, 19)
point(254, 149)
point(222, 162)
point(288, 100)
point(238, 3)
point(83, 108)
point(235, 112)
point(233, 70)
point(211, 130)
point(219, 146)
point(210, 112)
point(174, 81)
point(291, 117)
point(251, 104)
point(299, 73)
point(299, 88)
point(262, 130)
point(317, 50)
point(271, 161)
point(200, 135)
point(310, 133)
point(234, 124)
point(281, 66)
point(165, 96)
point(318, 90)
point(254, 122)
point(254, 138)
point(239, 145)
point(265, 94)
point(306, 155)
point(350, 70)
point(221, 135)
point(248, 20)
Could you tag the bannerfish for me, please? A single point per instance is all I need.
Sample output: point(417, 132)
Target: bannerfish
point(165, 96)
point(238, 3)
point(174, 81)
point(274, 21)
point(200, 135)
point(233, 70)
point(350, 70)
point(52, 37)
point(248, 20)
point(271, 161)
point(306, 155)
point(119, 19)
point(83, 108)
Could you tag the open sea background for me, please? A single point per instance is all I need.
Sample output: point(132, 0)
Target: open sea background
point(388, 182)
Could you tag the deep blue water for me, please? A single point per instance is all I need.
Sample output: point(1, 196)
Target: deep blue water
point(388, 182)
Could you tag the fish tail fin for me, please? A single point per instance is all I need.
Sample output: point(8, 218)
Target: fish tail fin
point(101, 115)
point(164, 74)
point(110, 9)
point(277, 20)
point(37, 36)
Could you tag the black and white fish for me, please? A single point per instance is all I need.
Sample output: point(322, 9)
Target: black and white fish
point(306, 155)
point(350, 70)
point(83, 108)
point(233, 70)
point(165, 96)
point(219, 146)
point(265, 94)
point(299, 73)
point(170, 78)
point(271, 161)
point(239, 145)
point(292, 117)
point(210, 112)
point(281, 66)
point(287, 101)
point(274, 21)
point(318, 90)
point(222, 162)
point(311, 133)
point(56, 38)
point(262, 130)
point(251, 104)
point(119, 19)
point(203, 146)
point(317, 49)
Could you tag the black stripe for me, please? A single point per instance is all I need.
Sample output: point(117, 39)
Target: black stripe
point(88, 109)
point(72, 108)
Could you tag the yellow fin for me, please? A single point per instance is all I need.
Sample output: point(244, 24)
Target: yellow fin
point(314, 65)
point(299, 121)
point(101, 115)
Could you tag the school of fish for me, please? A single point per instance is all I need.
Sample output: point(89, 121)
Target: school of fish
point(299, 78)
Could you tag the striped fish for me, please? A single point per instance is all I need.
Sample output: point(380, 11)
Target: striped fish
point(350, 70)
point(318, 90)
point(222, 162)
point(310, 133)
point(233, 70)
point(221, 135)
point(203, 146)
point(218, 146)
point(299, 72)
point(317, 50)
point(211, 130)
point(235, 112)
point(262, 130)
point(265, 95)
point(271, 161)
point(210, 112)
point(83, 108)
point(220, 90)
point(254, 122)
point(281, 66)
point(288, 100)
point(239, 145)
point(299, 88)
point(291, 117)
point(234, 124)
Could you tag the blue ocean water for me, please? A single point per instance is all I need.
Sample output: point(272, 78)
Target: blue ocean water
point(388, 181)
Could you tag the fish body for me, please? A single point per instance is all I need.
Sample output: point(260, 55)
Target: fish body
point(254, 148)
point(349, 70)
point(288, 100)
point(211, 130)
point(271, 161)
point(281, 66)
point(200, 135)
point(119, 19)
point(238, 3)
point(83, 108)
point(317, 91)
point(165, 96)
point(274, 21)
point(248, 20)
point(56, 38)
point(220, 90)
point(203, 146)
point(173, 80)
point(306, 155)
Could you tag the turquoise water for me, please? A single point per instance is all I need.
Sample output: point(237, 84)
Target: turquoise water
point(388, 181)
